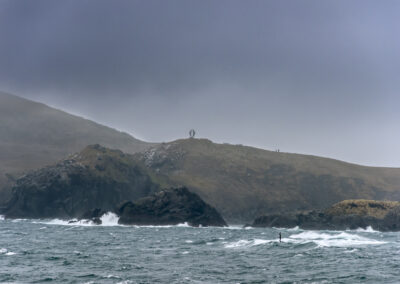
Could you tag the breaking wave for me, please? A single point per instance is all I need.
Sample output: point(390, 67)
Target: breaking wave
point(108, 219)
point(6, 252)
point(341, 239)
point(184, 225)
point(248, 243)
point(366, 230)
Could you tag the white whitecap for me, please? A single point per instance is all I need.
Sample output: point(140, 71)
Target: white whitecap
point(125, 282)
point(234, 227)
point(111, 276)
point(182, 225)
point(294, 229)
point(369, 229)
point(342, 239)
point(351, 251)
point(1, 217)
point(108, 219)
point(247, 243)
point(6, 252)
point(18, 220)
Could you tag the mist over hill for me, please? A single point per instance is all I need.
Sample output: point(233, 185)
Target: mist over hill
point(33, 135)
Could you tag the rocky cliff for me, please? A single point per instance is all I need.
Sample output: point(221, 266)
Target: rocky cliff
point(94, 178)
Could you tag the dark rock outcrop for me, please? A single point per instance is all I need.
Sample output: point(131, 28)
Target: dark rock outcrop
point(95, 178)
point(170, 207)
point(348, 214)
point(391, 222)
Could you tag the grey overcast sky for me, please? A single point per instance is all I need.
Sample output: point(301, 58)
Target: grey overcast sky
point(314, 77)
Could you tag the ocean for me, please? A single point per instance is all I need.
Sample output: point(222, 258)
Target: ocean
point(53, 251)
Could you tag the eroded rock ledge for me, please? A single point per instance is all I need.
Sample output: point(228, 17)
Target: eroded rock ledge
point(347, 214)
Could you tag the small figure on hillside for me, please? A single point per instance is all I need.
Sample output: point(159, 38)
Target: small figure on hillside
point(280, 237)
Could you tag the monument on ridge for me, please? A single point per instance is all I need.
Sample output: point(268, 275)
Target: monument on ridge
point(192, 133)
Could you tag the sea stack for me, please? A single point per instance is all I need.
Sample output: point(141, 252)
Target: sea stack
point(170, 207)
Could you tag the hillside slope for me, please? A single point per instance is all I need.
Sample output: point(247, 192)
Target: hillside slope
point(244, 182)
point(33, 135)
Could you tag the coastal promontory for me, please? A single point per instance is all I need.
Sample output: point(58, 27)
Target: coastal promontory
point(347, 214)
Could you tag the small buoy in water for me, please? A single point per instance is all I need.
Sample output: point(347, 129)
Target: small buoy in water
point(280, 237)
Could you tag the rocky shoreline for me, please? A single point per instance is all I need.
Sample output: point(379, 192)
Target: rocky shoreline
point(167, 207)
point(348, 214)
point(98, 180)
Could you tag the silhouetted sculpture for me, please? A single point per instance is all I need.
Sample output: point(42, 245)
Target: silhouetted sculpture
point(192, 133)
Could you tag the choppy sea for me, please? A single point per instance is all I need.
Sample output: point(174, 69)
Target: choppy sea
point(53, 251)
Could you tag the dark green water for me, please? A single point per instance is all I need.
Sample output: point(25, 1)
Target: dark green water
point(35, 251)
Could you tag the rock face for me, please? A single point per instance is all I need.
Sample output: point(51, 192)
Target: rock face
point(348, 214)
point(170, 207)
point(95, 178)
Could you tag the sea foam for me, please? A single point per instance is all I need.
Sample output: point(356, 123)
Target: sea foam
point(108, 219)
point(182, 225)
point(342, 239)
point(366, 230)
point(6, 252)
point(247, 243)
